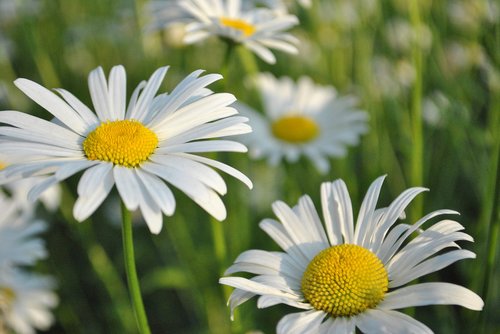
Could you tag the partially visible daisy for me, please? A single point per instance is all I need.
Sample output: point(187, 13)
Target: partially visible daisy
point(19, 189)
point(26, 301)
point(257, 28)
point(18, 243)
point(140, 148)
point(345, 276)
point(302, 118)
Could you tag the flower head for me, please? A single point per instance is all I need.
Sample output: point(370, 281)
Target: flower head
point(26, 301)
point(140, 147)
point(346, 276)
point(18, 245)
point(302, 118)
point(257, 28)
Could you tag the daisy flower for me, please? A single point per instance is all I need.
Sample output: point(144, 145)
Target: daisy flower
point(18, 245)
point(140, 148)
point(26, 301)
point(302, 118)
point(257, 28)
point(345, 276)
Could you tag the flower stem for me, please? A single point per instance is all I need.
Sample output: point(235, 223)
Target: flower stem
point(417, 156)
point(133, 282)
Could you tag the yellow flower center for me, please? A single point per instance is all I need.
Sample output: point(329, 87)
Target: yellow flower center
point(7, 296)
point(246, 28)
point(2, 165)
point(295, 129)
point(127, 143)
point(344, 280)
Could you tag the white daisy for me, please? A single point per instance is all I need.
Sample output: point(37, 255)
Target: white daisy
point(345, 276)
point(302, 118)
point(18, 245)
point(26, 301)
point(139, 148)
point(257, 28)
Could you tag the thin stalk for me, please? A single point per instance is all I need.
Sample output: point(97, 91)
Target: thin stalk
point(100, 261)
point(219, 243)
point(491, 208)
point(416, 159)
point(133, 282)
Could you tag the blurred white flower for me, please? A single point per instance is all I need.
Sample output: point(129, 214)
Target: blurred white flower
point(469, 15)
point(402, 36)
point(257, 28)
point(434, 107)
point(18, 188)
point(18, 231)
point(11, 10)
point(392, 78)
point(26, 301)
point(302, 118)
point(346, 14)
point(459, 57)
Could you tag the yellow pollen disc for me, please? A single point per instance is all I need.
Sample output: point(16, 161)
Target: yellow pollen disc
point(2, 165)
point(7, 296)
point(127, 143)
point(295, 129)
point(246, 28)
point(344, 280)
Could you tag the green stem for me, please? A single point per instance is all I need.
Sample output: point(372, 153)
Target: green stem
point(133, 282)
point(416, 161)
point(100, 261)
point(491, 208)
point(219, 240)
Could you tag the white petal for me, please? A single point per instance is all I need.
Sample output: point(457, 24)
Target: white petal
point(53, 104)
point(262, 52)
point(98, 88)
point(143, 104)
point(182, 93)
point(203, 196)
point(255, 287)
point(40, 187)
point(389, 248)
point(429, 266)
point(196, 170)
point(394, 211)
point(301, 323)
point(85, 113)
point(298, 231)
point(127, 186)
point(340, 325)
point(160, 192)
point(223, 167)
point(204, 110)
point(133, 99)
point(44, 129)
point(341, 213)
point(204, 146)
point(86, 205)
point(365, 223)
point(268, 301)
point(150, 210)
point(389, 322)
point(92, 178)
point(432, 294)
point(117, 92)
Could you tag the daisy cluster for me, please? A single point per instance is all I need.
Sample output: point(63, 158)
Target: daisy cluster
point(150, 147)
